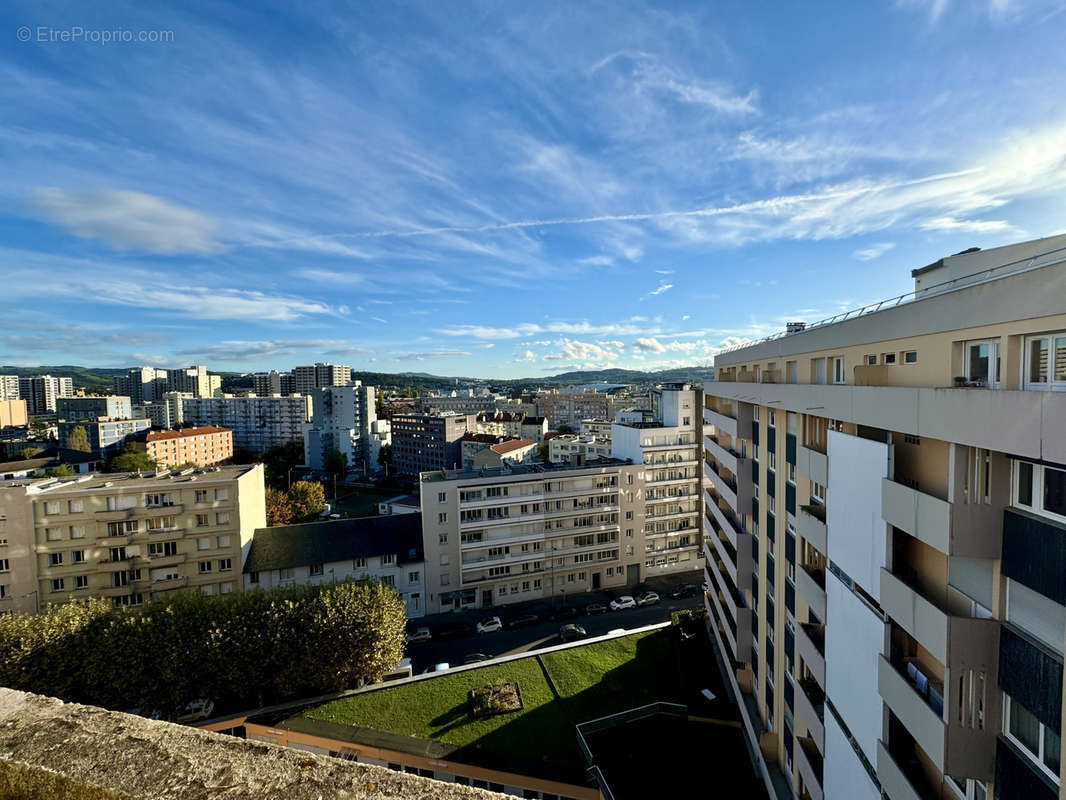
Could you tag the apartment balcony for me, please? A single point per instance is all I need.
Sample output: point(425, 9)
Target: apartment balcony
point(811, 586)
point(809, 765)
point(172, 583)
point(810, 643)
point(727, 457)
point(729, 595)
point(810, 525)
point(813, 463)
point(167, 561)
point(726, 520)
point(956, 529)
point(738, 561)
point(115, 541)
point(720, 421)
point(117, 591)
point(726, 487)
point(898, 783)
point(738, 635)
point(914, 711)
point(810, 704)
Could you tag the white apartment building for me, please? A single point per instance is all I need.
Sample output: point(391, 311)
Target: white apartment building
point(600, 428)
point(571, 447)
point(142, 385)
point(384, 548)
point(194, 380)
point(343, 418)
point(306, 379)
point(258, 423)
point(273, 382)
point(9, 387)
point(886, 506)
point(40, 392)
point(668, 448)
point(499, 536)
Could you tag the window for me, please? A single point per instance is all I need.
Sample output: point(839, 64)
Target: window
point(870, 359)
point(445, 579)
point(53, 534)
point(1040, 488)
point(202, 520)
point(442, 518)
point(253, 577)
point(910, 357)
point(56, 584)
point(203, 543)
point(817, 492)
point(286, 574)
point(888, 358)
point(359, 563)
point(121, 502)
point(77, 556)
point(222, 493)
point(5, 565)
point(982, 362)
point(838, 370)
point(388, 558)
point(225, 588)
point(1045, 362)
point(442, 497)
point(413, 577)
point(75, 506)
point(819, 370)
point(201, 495)
point(121, 528)
point(1025, 730)
point(791, 472)
point(223, 541)
point(81, 581)
point(77, 531)
point(51, 508)
point(55, 559)
point(222, 518)
point(316, 569)
point(162, 549)
point(442, 538)
point(158, 499)
point(205, 566)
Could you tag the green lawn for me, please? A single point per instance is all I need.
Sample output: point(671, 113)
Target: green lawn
point(592, 681)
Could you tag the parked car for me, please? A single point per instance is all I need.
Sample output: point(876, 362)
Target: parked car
point(571, 632)
point(475, 658)
point(442, 667)
point(490, 625)
point(524, 621)
point(623, 602)
point(566, 612)
point(595, 608)
point(456, 630)
point(685, 590)
point(197, 710)
point(419, 635)
point(647, 599)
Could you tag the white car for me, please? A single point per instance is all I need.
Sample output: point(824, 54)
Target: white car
point(490, 625)
point(197, 710)
point(420, 635)
point(648, 599)
point(623, 602)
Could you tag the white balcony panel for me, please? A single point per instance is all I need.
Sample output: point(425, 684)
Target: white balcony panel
point(813, 464)
point(921, 722)
point(923, 516)
point(893, 782)
point(812, 529)
point(916, 615)
point(720, 421)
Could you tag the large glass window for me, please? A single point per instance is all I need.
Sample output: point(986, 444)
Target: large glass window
point(982, 363)
point(1045, 362)
point(1025, 730)
point(1041, 489)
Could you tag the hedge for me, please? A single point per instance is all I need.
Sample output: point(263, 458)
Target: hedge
point(257, 648)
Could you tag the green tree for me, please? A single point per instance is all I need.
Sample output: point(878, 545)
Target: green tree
point(385, 455)
point(278, 510)
point(78, 439)
point(27, 453)
point(130, 459)
point(306, 499)
point(564, 428)
point(280, 461)
point(62, 471)
point(40, 430)
point(336, 464)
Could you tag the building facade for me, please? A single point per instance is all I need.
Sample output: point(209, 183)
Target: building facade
point(600, 428)
point(204, 446)
point(383, 548)
point(273, 382)
point(126, 537)
point(306, 379)
point(257, 423)
point(569, 407)
point(13, 413)
point(422, 442)
point(75, 408)
point(142, 384)
point(506, 535)
point(342, 420)
point(106, 436)
point(9, 387)
point(194, 380)
point(40, 392)
point(894, 624)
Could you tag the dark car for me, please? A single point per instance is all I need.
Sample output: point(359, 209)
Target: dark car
point(571, 633)
point(685, 590)
point(475, 658)
point(523, 621)
point(567, 612)
point(596, 608)
point(456, 630)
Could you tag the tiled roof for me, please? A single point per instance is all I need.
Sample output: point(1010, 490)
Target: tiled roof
point(155, 436)
point(511, 445)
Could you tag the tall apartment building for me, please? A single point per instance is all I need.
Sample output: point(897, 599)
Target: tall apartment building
point(40, 392)
point(13, 413)
point(307, 379)
point(573, 447)
point(258, 423)
point(9, 387)
point(668, 447)
point(76, 408)
point(894, 626)
point(458, 403)
point(105, 436)
point(273, 382)
point(204, 446)
point(342, 420)
point(422, 442)
point(142, 384)
point(126, 537)
point(499, 536)
point(569, 407)
point(194, 380)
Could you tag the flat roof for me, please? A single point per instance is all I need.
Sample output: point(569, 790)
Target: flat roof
point(546, 467)
point(137, 480)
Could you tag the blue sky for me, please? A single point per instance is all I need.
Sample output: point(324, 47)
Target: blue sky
point(504, 189)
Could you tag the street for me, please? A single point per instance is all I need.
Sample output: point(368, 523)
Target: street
point(544, 633)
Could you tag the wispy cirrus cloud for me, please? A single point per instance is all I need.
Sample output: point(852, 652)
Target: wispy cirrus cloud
point(873, 251)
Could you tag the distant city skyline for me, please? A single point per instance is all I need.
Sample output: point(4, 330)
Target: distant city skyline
point(505, 191)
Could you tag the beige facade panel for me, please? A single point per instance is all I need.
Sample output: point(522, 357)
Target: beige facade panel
point(812, 656)
point(923, 516)
point(894, 783)
point(810, 591)
point(927, 728)
point(811, 780)
point(916, 615)
point(807, 712)
point(813, 529)
point(813, 464)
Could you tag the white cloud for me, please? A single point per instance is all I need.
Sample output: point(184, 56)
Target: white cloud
point(527, 356)
point(873, 251)
point(665, 271)
point(597, 261)
point(128, 220)
point(661, 289)
point(524, 329)
point(589, 353)
point(684, 317)
point(238, 350)
point(648, 345)
point(950, 224)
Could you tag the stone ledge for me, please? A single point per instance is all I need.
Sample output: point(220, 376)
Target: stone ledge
point(65, 751)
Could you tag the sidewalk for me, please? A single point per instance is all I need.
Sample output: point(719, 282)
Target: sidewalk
point(662, 584)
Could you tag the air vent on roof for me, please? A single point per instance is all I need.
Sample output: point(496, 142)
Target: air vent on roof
point(794, 327)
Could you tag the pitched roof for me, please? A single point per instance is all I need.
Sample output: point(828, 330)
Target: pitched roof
point(511, 445)
point(289, 546)
point(155, 436)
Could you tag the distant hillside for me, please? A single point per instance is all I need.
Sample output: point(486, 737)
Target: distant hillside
point(99, 379)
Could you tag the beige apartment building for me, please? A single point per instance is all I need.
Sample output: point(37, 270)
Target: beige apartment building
point(203, 446)
point(13, 413)
point(127, 537)
point(506, 535)
point(886, 537)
